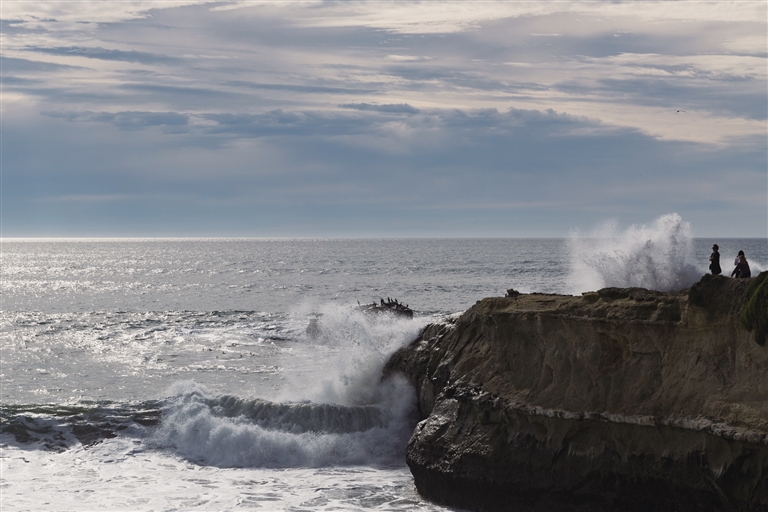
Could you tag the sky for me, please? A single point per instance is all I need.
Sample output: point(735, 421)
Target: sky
point(381, 118)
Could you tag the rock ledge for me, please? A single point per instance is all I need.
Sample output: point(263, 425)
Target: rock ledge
point(622, 399)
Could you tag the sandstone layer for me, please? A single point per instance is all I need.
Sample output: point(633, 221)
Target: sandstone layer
point(621, 399)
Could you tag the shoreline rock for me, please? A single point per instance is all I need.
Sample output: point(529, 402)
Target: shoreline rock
point(621, 399)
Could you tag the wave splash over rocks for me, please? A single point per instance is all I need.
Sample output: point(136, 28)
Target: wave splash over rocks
point(658, 256)
point(345, 417)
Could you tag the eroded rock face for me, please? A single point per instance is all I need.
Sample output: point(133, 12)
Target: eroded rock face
point(622, 399)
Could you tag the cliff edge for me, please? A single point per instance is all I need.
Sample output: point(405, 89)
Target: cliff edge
point(621, 399)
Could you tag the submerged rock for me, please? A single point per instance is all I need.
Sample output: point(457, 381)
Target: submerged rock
point(621, 399)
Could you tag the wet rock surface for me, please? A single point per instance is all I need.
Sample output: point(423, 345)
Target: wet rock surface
point(621, 399)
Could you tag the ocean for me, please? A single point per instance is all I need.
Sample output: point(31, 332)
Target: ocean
point(178, 374)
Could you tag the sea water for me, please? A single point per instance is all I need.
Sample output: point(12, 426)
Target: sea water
point(147, 374)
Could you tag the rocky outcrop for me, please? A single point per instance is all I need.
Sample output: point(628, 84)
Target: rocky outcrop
point(621, 399)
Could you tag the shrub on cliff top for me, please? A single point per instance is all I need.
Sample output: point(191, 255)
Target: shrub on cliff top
point(754, 313)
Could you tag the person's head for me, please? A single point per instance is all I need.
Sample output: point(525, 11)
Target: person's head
point(741, 253)
point(742, 259)
point(715, 247)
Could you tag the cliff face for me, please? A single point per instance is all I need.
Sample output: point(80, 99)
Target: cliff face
point(622, 399)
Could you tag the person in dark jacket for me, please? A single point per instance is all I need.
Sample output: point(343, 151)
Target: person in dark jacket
point(714, 261)
point(742, 268)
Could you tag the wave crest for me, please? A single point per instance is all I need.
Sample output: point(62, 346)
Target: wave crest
point(230, 432)
point(656, 257)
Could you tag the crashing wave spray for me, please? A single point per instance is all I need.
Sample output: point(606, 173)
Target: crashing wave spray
point(231, 432)
point(338, 412)
point(656, 257)
point(356, 344)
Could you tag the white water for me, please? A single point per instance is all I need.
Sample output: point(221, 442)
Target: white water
point(659, 256)
point(119, 474)
point(311, 436)
point(331, 436)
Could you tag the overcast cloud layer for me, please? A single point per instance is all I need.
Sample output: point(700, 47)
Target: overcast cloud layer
point(381, 118)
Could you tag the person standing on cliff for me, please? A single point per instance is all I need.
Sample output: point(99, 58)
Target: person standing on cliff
point(714, 261)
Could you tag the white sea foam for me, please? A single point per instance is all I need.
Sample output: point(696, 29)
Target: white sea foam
point(657, 257)
point(358, 345)
point(193, 428)
point(339, 413)
point(119, 474)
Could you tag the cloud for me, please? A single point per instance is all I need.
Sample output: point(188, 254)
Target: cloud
point(63, 14)
point(529, 168)
point(501, 118)
point(324, 89)
point(279, 123)
point(372, 120)
point(14, 65)
point(127, 120)
point(105, 54)
point(409, 58)
point(176, 94)
point(446, 17)
point(401, 108)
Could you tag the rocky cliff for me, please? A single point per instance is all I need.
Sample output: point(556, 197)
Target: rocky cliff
point(621, 399)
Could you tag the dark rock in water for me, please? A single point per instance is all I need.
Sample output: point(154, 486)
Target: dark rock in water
point(619, 400)
point(375, 309)
point(390, 306)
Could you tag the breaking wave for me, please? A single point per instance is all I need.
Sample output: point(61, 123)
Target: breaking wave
point(230, 432)
point(339, 413)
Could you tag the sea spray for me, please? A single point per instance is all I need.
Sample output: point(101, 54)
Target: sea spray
point(656, 257)
point(356, 346)
point(340, 413)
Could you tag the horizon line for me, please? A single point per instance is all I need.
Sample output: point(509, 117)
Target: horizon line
point(193, 238)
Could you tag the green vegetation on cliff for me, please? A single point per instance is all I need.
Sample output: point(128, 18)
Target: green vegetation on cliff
point(754, 313)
